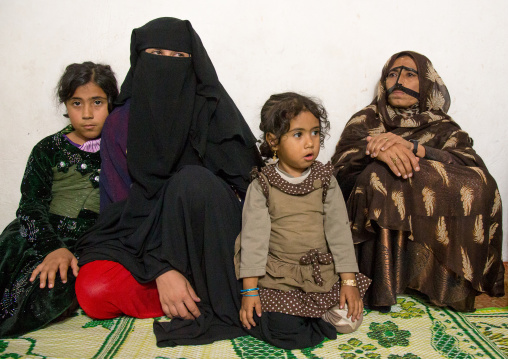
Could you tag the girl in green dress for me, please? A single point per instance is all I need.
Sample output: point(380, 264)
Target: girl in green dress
point(59, 201)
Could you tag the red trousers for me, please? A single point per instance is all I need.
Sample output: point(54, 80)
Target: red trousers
point(107, 290)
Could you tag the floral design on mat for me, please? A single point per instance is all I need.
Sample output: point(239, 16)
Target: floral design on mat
point(356, 349)
point(388, 334)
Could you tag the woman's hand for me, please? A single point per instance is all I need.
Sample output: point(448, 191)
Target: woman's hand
point(249, 304)
point(177, 296)
point(401, 161)
point(351, 296)
point(58, 260)
point(383, 142)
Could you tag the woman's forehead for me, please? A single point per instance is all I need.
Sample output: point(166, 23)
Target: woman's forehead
point(406, 61)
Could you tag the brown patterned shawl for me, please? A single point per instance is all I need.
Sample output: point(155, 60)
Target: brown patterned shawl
point(451, 206)
point(427, 122)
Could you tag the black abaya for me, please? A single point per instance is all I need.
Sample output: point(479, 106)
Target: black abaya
point(190, 153)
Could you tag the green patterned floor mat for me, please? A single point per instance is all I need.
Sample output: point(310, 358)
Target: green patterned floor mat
point(493, 324)
point(412, 330)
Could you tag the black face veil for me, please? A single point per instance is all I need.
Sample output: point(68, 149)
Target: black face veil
point(177, 103)
point(398, 85)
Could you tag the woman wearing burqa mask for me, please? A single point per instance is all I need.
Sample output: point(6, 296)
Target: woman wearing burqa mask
point(425, 212)
point(176, 159)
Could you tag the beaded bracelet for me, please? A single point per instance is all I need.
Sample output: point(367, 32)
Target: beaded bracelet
point(248, 290)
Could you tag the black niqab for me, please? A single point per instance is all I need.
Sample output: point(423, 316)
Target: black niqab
point(176, 100)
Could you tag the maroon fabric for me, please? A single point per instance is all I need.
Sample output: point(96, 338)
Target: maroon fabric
point(115, 180)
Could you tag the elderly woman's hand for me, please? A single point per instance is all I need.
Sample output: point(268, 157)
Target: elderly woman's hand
point(177, 297)
point(383, 142)
point(401, 161)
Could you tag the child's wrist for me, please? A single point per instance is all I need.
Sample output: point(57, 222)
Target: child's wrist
point(250, 292)
point(349, 282)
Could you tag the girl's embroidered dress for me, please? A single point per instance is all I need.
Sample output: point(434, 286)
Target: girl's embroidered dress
point(59, 202)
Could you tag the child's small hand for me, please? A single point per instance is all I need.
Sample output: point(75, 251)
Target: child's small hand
point(351, 296)
point(247, 311)
point(58, 260)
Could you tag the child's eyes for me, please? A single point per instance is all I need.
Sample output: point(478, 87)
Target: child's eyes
point(98, 102)
point(297, 134)
point(76, 103)
point(315, 133)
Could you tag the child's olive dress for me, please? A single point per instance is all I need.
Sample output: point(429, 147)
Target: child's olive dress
point(59, 201)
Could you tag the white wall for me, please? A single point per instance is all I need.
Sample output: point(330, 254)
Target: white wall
point(332, 49)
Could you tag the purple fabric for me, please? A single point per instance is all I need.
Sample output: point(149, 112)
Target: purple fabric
point(115, 179)
point(71, 141)
point(91, 146)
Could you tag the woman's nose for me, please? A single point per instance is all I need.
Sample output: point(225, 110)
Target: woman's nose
point(402, 77)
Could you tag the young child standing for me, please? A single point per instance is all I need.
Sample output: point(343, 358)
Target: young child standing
point(59, 201)
point(297, 257)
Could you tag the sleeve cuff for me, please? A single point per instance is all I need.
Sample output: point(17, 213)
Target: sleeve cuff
point(347, 268)
point(252, 272)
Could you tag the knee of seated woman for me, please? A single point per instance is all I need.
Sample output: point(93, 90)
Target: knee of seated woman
point(94, 291)
point(196, 180)
point(97, 279)
point(194, 172)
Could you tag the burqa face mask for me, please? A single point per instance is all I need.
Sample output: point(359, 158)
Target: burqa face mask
point(398, 85)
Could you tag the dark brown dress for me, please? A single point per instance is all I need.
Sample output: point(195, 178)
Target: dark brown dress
point(439, 232)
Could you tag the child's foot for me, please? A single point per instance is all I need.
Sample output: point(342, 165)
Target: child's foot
point(338, 318)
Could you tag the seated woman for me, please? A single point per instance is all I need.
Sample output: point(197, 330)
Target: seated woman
point(177, 156)
point(425, 212)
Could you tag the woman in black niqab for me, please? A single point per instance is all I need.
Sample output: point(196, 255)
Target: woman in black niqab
point(189, 155)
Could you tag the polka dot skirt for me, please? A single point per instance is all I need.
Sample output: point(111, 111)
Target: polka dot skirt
point(310, 305)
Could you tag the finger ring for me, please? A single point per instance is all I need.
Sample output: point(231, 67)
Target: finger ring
point(394, 160)
point(385, 138)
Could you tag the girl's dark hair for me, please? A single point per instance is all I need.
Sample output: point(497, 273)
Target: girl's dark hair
point(76, 75)
point(280, 109)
